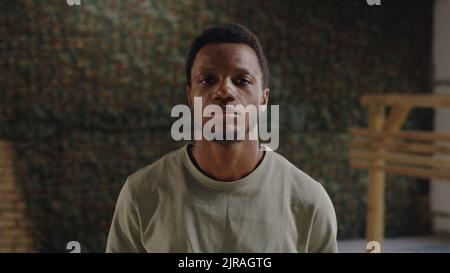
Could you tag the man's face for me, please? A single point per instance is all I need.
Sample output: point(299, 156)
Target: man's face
point(227, 74)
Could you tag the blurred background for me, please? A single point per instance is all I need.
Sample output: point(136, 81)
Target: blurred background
point(86, 93)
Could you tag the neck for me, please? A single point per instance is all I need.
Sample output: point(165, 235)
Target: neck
point(226, 161)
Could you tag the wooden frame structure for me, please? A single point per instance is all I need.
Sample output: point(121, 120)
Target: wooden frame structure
point(384, 148)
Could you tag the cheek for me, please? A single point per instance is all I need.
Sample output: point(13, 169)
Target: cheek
point(193, 94)
point(201, 91)
point(253, 97)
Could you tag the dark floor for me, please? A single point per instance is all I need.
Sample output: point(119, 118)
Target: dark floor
point(425, 244)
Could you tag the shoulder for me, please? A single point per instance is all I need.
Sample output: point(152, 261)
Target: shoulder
point(148, 178)
point(304, 188)
point(310, 201)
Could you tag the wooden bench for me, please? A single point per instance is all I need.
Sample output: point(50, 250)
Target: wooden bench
point(384, 148)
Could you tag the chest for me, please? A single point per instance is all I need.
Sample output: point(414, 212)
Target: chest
point(223, 223)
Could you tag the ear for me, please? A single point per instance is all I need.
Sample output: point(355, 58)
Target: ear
point(188, 93)
point(265, 96)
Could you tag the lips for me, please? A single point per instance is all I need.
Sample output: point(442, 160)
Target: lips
point(225, 114)
point(228, 111)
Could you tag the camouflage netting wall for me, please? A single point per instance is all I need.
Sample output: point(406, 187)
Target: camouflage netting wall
point(86, 94)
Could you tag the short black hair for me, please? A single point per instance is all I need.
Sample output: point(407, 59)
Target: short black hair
point(228, 33)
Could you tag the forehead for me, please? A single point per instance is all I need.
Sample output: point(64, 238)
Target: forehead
point(228, 56)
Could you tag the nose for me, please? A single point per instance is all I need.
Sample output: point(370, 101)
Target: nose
point(225, 92)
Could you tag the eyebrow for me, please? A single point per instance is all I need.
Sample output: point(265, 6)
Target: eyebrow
point(240, 70)
point(202, 70)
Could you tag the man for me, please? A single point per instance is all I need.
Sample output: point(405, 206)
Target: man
point(223, 195)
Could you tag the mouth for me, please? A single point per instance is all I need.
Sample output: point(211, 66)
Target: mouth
point(225, 114)
point(228, 111)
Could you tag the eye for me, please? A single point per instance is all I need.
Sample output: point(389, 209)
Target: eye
point(243, 81)
point(206, 80)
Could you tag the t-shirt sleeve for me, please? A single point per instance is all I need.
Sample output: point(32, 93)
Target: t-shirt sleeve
point(324, 226)
point(124, 234)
